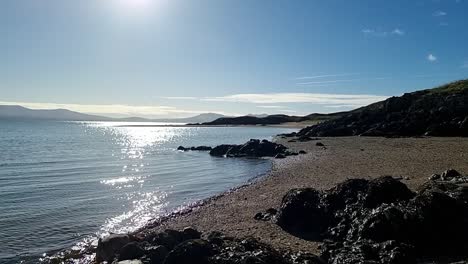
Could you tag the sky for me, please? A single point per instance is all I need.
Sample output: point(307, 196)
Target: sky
point(177, 58)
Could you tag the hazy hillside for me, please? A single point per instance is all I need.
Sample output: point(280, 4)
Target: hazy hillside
point(19, 112)
point(442, 111)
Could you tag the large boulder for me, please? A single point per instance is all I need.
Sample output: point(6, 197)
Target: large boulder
point(130, 251)
point(109, 247)
point(252, 148)
point(303, 214)
point(194, 251)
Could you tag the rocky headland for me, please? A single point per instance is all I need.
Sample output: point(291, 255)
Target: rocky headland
point(441, 111)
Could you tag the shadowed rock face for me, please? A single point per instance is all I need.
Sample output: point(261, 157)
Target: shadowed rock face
point(437, 112)
point(175, 247)
point(381, 220)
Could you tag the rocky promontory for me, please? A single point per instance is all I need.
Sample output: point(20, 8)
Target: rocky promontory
point(442, 111)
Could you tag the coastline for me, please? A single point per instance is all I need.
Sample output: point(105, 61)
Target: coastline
point(232, 212)
point(298, 125)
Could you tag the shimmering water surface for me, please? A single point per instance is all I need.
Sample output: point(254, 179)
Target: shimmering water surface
point(62, 183)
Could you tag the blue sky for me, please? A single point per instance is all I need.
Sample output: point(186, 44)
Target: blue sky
point(160, 58)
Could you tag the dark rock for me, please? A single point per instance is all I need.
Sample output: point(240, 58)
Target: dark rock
point(253, 148)
point(130, 251)
point(199, 148)
point(302, 152)
point(216, 238)
point(436, 112)
point(157, 254)
point(390, 252)
point(194, 251)
point(190, 233)
point(386, 190)
point(249, 251)
point(133, 261)
point(169, 238)
point(381, 220)
point(108, 247)
point(266, 216)
point(306, 139)
point(319, 144)
point(302, 213)
point(449, 174)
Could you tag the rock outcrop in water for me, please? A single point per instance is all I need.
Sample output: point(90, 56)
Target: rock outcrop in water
point(199, 148)
point(381, 220)
point(253, 148)
point(441, 111)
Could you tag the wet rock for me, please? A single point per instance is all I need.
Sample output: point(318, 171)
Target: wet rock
point(108, 247)
point(253, 148)
point(266, 216)
point(199, 148)
point(130, 251)
point(449, 174)
point(134, 261)
point(307, 258)
point(194, 251)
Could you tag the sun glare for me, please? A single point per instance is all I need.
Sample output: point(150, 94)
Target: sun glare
point(135, 4)
point(136, 7)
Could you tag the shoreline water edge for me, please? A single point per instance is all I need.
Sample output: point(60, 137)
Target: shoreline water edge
point(334, 160)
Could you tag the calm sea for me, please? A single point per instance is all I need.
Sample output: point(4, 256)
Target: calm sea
point(65, 183)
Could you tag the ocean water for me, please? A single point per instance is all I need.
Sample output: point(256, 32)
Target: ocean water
point(63, 184)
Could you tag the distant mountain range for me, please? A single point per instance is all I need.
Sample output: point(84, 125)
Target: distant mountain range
point(19, 112)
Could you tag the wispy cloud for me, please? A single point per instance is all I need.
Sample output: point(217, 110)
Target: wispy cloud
point(314, 98)
point(439, 13)
point(270, 106)
point(324, 76)
point(398, 31)
point(443, 24)
point(465, 64)
point(340, 81)
point(112, 109)
point(383, 33)
point(180, 98)
point(431, 58)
